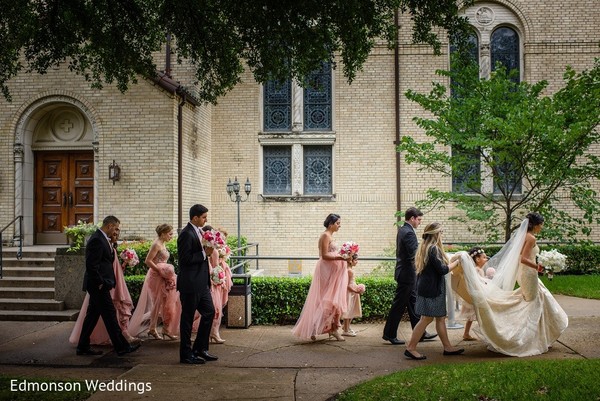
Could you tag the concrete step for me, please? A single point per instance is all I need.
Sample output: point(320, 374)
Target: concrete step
point(27, 253)
point(27, 262)
point(27, 272)
point(32, 316)
point(27, 292)
point(31, 304)
point(27, 282)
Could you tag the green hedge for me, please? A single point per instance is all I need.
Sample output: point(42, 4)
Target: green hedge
point(279, 300)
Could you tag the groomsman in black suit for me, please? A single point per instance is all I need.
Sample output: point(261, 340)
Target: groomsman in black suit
point(193, 283)
point(405, 275)
point(98, 280)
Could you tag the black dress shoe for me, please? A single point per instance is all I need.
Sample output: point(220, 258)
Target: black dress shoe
point(130, 348)
point(206, 356)
point(192, 360)
point(427, 336)
point(457, 352)
point(393, 341)
point(88, 351)
point(410, 355)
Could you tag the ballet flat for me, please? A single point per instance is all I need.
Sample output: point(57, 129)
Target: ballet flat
point(171, 337)
point(410, 355)
point(153, 333)
point(216, 340)
point(349, 333)
point(455, 352)
point(336, 335)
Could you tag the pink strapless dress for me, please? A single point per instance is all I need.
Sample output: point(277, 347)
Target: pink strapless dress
point(123, 305)
point(327, 299)
point(159, 299)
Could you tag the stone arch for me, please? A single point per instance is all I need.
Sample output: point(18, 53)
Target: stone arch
point(27, 118)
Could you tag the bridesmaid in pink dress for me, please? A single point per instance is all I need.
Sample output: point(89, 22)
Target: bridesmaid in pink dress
point(121, 300)
point(326, 301)
point(159, 298)
point(220, 291)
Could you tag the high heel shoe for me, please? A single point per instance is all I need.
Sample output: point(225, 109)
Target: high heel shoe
point(336, 335)
point(171, 337)
point(216, 340)
point(153, 333)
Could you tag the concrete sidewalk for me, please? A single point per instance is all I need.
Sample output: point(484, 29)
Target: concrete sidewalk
point(258, 363)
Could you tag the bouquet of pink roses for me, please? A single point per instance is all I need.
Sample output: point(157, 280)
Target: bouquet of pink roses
point(212, 239)
point(218, 275)
point(130, 257)
point(224, 252)
point(349, 250)
point(361, 288)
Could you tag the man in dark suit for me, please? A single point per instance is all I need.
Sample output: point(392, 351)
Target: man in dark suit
point(98, 280)
point(193, 283)
point(405, 276)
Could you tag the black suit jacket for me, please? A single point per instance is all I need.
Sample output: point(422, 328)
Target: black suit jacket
point(406, 249)
point(99, 257)
point(193, 274)
point(432, 277)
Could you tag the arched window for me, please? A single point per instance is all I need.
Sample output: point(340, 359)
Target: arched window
point(504, 48)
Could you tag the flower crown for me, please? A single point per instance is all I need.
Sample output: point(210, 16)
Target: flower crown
point(476, 252)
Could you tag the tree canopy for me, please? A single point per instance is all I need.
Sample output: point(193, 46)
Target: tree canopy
point(511, 149)
point(112, 41)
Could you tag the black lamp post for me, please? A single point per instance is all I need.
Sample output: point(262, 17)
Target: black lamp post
point(233, 190)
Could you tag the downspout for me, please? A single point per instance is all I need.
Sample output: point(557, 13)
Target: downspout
point(180, 160)
point(397, 115)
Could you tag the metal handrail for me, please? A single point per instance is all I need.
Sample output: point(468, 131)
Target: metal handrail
point(20, 237)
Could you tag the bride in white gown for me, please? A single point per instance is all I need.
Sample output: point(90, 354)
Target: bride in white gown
point(520, 322)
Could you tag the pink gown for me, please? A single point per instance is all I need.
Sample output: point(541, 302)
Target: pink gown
point(327, 299)
point(218, 292)
point(159, 299)
point(123, 305)
point(354, 305)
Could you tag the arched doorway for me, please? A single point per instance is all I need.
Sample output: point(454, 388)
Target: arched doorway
point(55, 164)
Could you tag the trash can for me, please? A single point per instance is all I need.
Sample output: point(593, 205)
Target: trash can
point(239, 306)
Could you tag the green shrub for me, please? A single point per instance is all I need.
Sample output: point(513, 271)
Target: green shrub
point(78, 233)
point(279, 300)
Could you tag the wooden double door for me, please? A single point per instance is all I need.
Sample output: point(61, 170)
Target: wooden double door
point(64, 193)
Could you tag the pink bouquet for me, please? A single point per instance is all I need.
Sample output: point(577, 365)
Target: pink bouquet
point(361, 288)
point(129, 257)
point(218, 275)
point(224, 252)
point(489, 273)
point(212, 239)
point(349, 250)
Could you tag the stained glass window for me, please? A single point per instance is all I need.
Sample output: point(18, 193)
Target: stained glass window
point(317, 170)
point(278, 106)
point(504, 48)
point(317, 100)
point(277, 170)
point(466, 170)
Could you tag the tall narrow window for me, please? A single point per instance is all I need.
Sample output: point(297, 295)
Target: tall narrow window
point(317, 170)
point(278, 106)
point(277, 170)
point(317, 100)
point(466, 170)
point(504, 48)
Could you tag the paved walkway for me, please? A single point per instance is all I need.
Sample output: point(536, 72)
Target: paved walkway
point(258, 363)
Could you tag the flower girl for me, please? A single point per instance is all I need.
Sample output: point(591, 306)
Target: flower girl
point(354, 305)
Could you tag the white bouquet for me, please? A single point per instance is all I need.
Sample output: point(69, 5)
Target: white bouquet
point(553, 262)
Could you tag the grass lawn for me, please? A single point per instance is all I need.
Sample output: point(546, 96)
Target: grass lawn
point(548, 380)
point(586, 286)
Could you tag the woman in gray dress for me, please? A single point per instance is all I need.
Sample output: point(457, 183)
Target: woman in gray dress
point(432, 265)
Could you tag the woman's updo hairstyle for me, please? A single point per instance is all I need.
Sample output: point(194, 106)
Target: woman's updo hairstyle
point(331, 219)
point(535, 219)
point(163, 229)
